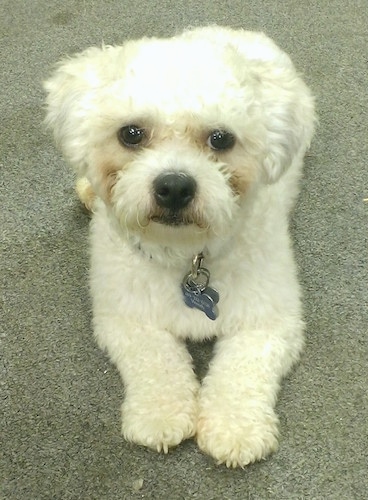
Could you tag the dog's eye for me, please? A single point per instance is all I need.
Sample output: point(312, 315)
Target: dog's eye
point(131, 135)
point(220, 140)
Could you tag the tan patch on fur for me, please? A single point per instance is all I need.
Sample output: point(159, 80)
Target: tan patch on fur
point(106, 162)
point(239, 181)
point(85, 193)
point(242, 170)
point(108, 176)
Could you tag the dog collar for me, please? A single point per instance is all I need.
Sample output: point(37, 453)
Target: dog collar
point(196, 291)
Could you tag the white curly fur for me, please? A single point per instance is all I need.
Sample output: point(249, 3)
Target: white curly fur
point(179, 90)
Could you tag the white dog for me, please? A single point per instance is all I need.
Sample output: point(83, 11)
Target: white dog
point(189, 152)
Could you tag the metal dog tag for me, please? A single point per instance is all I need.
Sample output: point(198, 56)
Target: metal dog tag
point(196, 292)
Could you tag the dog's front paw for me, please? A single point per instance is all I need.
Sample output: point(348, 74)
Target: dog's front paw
point(237, 437)
point(159, 426)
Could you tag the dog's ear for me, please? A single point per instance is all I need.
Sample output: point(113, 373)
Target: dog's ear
point(289, 118)
point(285, 104)
point(69, 99)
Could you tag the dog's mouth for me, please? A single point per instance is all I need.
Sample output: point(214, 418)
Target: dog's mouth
point(171, 219)
point(177, 218)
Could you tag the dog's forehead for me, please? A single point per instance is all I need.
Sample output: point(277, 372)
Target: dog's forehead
point(178, 74)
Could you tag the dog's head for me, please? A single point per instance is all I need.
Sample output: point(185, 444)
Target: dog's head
point(173, 134)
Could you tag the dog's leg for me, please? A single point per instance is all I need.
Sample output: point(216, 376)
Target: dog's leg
point(237, 424)
point(160, 406)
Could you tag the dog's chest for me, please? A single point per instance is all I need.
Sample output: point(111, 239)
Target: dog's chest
point(127, 281)
point(188, 307)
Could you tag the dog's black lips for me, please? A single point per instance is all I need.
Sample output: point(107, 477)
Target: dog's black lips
point(170, 219)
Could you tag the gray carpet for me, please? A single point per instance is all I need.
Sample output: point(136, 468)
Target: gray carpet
point(60, 423)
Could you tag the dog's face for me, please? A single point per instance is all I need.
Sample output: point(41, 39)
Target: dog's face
point(174, 134)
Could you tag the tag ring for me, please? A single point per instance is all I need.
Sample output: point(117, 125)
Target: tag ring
point(196, 264)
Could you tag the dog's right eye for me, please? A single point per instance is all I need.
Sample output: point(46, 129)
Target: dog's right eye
point(131, 135)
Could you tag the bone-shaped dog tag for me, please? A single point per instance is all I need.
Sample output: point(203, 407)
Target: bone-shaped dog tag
point(197, 294)
point(205, 300)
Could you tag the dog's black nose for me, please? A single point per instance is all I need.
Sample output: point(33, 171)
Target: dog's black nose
point(174, 190)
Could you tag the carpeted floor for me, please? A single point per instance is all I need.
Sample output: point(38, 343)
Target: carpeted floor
point(60, 423)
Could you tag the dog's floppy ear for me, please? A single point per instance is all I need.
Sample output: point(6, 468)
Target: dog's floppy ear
point(288, 110)
point(70, 96)
point(285, 104)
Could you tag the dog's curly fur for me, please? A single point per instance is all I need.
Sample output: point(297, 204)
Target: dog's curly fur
point(178, 91)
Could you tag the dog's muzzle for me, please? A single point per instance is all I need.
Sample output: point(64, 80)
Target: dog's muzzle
point(173, 192)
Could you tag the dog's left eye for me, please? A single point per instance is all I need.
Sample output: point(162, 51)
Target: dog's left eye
point(220, 140)
point(131, 135)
